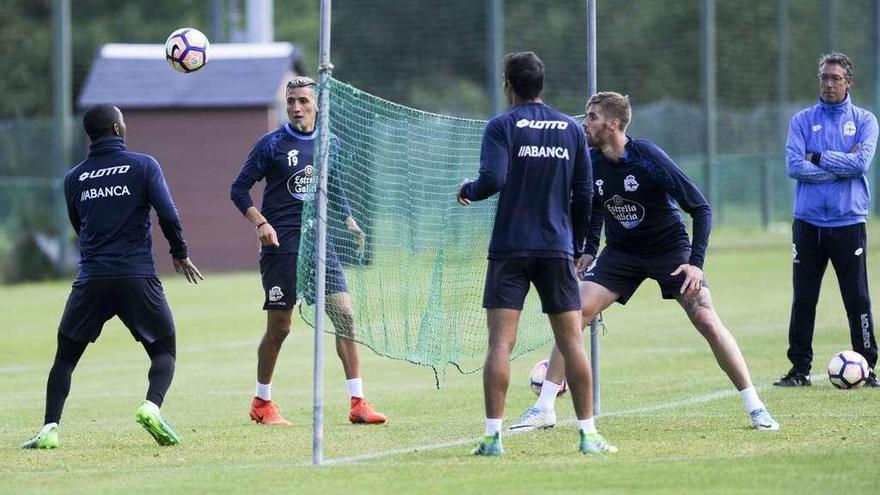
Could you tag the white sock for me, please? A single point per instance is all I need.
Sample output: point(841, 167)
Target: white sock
point(264, 391)
point(750, 399)
point(355, 387)
point(49, 426)
point(547, 399)
point(151, 406)
point(493, 426)
point(587, 425)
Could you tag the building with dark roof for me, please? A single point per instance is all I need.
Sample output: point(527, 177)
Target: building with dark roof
point(200, 127)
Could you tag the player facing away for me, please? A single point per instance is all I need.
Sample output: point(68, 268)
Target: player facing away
point(536, 157)
point(284, 158)
point(636, 188)
point(109, 196)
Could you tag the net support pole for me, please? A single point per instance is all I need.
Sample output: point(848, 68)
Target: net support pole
point(325, 70)
point(782, 49)
point(830, 22)
point(495, 54)
point(710, 92)
point(592, 87)
point(61, 91)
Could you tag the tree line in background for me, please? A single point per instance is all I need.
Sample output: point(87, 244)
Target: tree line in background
point(431, 54)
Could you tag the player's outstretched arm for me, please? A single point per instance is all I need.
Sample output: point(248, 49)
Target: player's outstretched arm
point(359, 237)
point(72, 213)
point(265, 232)
point(582, 263)
point(458, 197)
point(188, 269)
point(494, 158)
point(693, 279)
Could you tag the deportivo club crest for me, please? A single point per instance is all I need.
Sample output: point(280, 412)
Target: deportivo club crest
point(275, 294)
point(292, 158)
point(849, 128)
point(630, 184)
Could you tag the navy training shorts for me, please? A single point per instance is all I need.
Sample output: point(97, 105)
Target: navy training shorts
point(278, 272)
point(507, 283)
point(622, 272)
point(138, 301)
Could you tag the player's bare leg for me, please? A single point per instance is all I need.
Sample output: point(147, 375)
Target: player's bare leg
point(705, 319)
point(594, 299)
point(277, 330)
point(567, 333)
point(263, 410)
point(567, 330)
point(341, 313)
point(502, 324)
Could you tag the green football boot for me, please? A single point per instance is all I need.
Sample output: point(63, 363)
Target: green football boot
point(150, 418)
point(593, 443)
point(47, 439)
point(490, 445)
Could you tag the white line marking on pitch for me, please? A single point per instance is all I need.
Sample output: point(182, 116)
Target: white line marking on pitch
point(720, 394)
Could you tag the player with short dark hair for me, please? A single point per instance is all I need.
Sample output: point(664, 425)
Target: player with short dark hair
point(109, 196)
point(637, 188)
point(285, 159)
point(829, 148)
point(536, 157)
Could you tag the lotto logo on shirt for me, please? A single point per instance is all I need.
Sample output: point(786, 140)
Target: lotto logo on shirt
point(629, 213)
point(103, 172)
point(542, 124)
point(303, 184)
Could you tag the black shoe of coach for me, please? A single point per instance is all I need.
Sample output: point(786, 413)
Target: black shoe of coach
point(871, 381)
point(793, 379)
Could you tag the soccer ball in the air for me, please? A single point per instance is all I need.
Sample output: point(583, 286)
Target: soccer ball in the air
point(539, 371)
point(847, 369)
point(187, 50)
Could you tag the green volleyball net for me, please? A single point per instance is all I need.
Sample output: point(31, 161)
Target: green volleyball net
point(416, 287)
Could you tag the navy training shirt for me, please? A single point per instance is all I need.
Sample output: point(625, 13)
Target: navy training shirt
point(109, 195)
point(637, 197)
point(537, 157)
point(284, 157)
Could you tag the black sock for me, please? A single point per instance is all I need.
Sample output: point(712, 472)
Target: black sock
point(162, 356)
point(58, 386)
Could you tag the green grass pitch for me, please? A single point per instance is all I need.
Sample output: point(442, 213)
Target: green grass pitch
point(657, 377)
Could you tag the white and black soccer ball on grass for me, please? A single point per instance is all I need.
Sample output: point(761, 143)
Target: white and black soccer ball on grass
point(848, 369)
point(536, 378)
point(187, 50)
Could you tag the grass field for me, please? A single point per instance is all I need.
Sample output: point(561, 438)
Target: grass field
point(667, 406)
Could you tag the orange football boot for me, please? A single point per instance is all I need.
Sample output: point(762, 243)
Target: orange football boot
point(266, 412)
point(362, 412)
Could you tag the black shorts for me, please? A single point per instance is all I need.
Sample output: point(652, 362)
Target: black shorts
point(139, 302)
point(278, 272)
point(622, 273)
point(507, 283)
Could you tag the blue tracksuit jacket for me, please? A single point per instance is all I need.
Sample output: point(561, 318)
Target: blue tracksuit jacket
point(835, 192)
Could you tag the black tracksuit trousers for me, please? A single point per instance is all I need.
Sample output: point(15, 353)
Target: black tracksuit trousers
point(813, 247)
